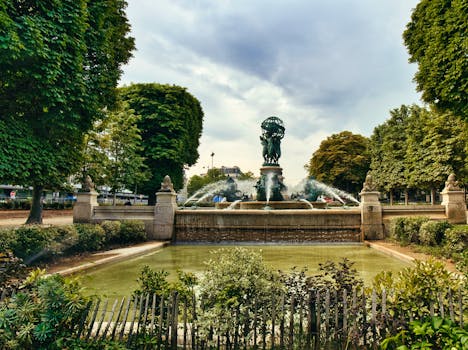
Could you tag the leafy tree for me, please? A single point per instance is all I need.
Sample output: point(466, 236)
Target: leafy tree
point(60, 64)
point(171, 121)
point(436, 39)
point(126, 165)
point(341, 160)
point(436, 147)
point(388, 151)
point(197, 182)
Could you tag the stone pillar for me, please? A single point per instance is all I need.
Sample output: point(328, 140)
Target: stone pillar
point(453, 198)
point(164, 211)
point(371, 211)
point(83, 209)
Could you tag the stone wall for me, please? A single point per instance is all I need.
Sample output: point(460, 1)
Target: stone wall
point(268, 226)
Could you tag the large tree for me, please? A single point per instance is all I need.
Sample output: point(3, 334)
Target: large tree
point(388, 151)
point(171, 122)
point(60, 64)
point(437, 40)
point(341, 160)
point(436, 147)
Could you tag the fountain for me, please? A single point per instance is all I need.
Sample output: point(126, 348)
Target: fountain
point(273, 216)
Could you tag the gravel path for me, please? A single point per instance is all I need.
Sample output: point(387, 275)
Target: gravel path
point(11, 218)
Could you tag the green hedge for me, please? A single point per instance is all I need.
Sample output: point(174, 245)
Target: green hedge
point(34, 243)
point(406, 229)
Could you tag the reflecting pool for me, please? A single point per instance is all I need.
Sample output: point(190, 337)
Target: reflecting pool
point(119, 279)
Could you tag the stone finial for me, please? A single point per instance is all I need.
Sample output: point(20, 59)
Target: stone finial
point(88, 184)
point(369, 185)
point(451, 184)
point(166, 185)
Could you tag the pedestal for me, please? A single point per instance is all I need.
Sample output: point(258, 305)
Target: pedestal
point(371, 216)
point(164, 213)
point(83, 209)
point(455, 206)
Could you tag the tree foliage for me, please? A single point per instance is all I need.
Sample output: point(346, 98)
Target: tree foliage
point(60, 64)
point(197, 182)
point(171, 122)
point(418, 148)
point(342, 160)
point(437, 40)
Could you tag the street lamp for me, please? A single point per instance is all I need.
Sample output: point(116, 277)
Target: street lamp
point(212, 155)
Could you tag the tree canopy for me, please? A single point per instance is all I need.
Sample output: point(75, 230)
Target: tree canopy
point(342, 160)
point(60, 65)
point(171, 122)
point(437, 40)
point(418, 148)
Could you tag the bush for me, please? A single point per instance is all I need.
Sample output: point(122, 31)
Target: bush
point(31, 242)
point(112, 230)
point(132, 231)
point(43, 315)
point(406, 229)
point(456, 238)
point(235, 283)
point(90, 237)
point(432, 233)
point(64, 239)
point(432, 333)
point(415, 288)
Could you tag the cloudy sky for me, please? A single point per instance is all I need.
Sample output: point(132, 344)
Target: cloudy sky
point(322, 66)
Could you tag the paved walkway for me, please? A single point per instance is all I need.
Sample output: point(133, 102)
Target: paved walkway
point(77, 264)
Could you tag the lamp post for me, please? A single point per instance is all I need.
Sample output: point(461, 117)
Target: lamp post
point(212, 155)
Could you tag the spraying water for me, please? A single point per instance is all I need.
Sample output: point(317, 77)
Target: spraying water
point(306, 201)
point(268, 186)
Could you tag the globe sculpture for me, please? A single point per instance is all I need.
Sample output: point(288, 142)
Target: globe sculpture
point(272, 133)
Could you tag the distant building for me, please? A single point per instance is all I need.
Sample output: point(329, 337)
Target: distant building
point(233, 172)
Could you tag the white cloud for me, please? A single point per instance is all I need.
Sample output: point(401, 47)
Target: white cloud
point(322, 67)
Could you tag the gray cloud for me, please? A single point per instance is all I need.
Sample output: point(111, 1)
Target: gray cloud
point(322, 65)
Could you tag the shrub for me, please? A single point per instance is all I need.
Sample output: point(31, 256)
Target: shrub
point(112, 230)
point(7, 237)
point(43, 315)
point(456, 238)
point(235, 283)
point(415, 288)
point(132, 231)
point(90, 237)
point(406, 229)
point(432, 333)
point(31, 242)
point(432, 233)
point(64, 239)
point(12, 271)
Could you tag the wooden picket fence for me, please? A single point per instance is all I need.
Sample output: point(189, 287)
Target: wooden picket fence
point(319, 320)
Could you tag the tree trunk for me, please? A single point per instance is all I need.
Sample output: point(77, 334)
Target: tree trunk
point(390, 193)
point(433, 193)
point(114, 198)
point(35, 214)
point(406, 197)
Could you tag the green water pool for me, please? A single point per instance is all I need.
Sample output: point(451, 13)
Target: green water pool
point(119, 279)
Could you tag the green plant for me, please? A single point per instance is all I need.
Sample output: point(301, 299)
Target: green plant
point(152, 282)
point(112, 230)
point(235, 283)
point(64, 238)
point(90, 237)
point(43, 314)
point(132, 231)
point(432, 333)
point(31, 242)
point(456, 238)
point(412, 291)
point(406, 229)
point(432, 233)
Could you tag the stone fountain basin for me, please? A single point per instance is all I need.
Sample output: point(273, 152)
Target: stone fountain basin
point(275, 205)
